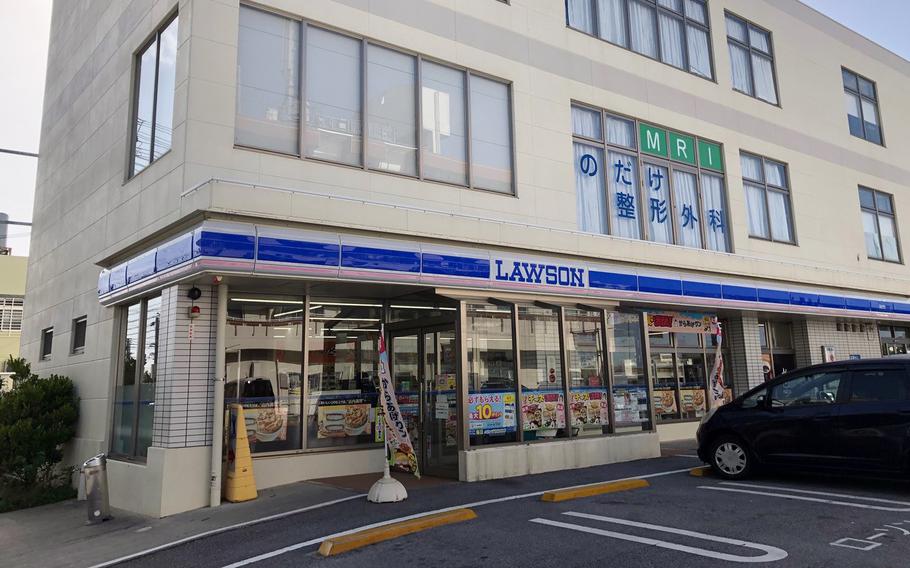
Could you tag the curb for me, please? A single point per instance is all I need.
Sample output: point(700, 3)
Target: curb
point(591, 490)
point(338, 545)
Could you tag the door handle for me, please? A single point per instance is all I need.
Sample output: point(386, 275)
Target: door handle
point(822, 417)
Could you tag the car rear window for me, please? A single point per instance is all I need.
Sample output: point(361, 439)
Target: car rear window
point(880, 385)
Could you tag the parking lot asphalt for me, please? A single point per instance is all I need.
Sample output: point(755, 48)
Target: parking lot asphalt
point(679, 520)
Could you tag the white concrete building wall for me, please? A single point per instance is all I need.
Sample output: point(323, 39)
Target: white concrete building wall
point(87, 212)
point(83, 208)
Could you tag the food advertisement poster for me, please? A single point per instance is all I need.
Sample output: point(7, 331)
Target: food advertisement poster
point(665, 402)
point(338, 418)
point(693, 400)
point(542, 410)
point(265, 421)
point(682, 322)
point(630, 404)
point(590, 406)
point(491, 412)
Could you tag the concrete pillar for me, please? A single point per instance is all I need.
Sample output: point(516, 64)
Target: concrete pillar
point(745, 352)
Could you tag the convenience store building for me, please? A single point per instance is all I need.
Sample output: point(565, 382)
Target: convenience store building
point(546, 212)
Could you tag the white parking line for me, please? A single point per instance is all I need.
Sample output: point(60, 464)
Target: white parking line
point(808, 492)
point(315, 541)
point(779, 495)
point(213, 532)
point(771, 553)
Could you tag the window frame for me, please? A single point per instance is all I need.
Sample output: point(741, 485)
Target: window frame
point(753, 51)
point(365, 42)
point(46, 333)
point(154, 37)
point(11, 309)
point(766, 187)
point(642, 160)
point(878, 224)
point(78, 349)
point(861, 97)
point(659, 9)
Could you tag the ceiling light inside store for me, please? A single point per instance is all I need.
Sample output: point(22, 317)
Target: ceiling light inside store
point(326, 318)
point(261, 301)
point(287, 313)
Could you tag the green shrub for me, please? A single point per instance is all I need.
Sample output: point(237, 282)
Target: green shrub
point(37, 418)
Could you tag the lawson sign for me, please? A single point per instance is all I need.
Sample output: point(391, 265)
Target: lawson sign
point(538, 273)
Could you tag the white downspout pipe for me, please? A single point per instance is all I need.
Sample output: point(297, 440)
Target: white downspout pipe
point(218, 399)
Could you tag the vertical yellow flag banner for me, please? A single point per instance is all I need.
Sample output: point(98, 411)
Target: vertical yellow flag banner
point(240, 485)
point(401, 450)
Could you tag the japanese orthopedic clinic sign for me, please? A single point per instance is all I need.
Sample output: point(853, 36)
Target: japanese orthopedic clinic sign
point(400, 449)
point(682, 322)
point(676, 147)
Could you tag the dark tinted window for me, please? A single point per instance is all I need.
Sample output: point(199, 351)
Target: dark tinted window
point(880, 385)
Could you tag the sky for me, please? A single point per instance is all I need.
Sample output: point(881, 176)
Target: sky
point(24, 28)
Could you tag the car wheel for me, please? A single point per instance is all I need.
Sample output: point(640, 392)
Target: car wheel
point(730, 458)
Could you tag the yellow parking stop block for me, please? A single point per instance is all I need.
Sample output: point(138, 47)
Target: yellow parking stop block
point(591, 490)
point(333, 546)
point(701, 471)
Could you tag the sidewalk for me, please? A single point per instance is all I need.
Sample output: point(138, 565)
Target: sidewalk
point(57, 534)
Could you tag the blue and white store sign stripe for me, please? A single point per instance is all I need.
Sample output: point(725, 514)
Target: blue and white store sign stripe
point(254, 249)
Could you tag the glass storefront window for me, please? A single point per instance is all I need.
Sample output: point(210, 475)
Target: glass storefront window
point(149, 375)
point(404, 312)
point(630, 386)
point(490, 374)
point(543, 405)
point(589, 400)
point(263, 364)
point(782, 335)
point(134, 395)
point(125, 393)
point(342, 373)
point(663, 375)
point(693, 380)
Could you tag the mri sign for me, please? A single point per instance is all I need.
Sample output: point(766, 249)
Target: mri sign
point(588, 165)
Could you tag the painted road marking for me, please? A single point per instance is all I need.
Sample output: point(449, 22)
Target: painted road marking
point(334, 546)
point(776, 493)
point(213, 532)
point(771, 553)
point(592, 490)
point(864, 545)
point(319, 540)
point(808, 492)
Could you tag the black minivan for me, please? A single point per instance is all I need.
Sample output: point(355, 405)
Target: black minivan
point(849, 416)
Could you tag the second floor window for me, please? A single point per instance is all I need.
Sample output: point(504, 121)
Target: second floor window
point(751, 59)
point(767, 198)
point(879, 226)
point(368, 105)
point(153, 97)
point(673, 31)
point(862, 107)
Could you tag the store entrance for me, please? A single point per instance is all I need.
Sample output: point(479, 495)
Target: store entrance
point(423, 367)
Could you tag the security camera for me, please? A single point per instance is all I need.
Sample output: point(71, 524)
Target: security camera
point(216, 280)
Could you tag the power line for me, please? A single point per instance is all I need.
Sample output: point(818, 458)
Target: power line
point(18, 153)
